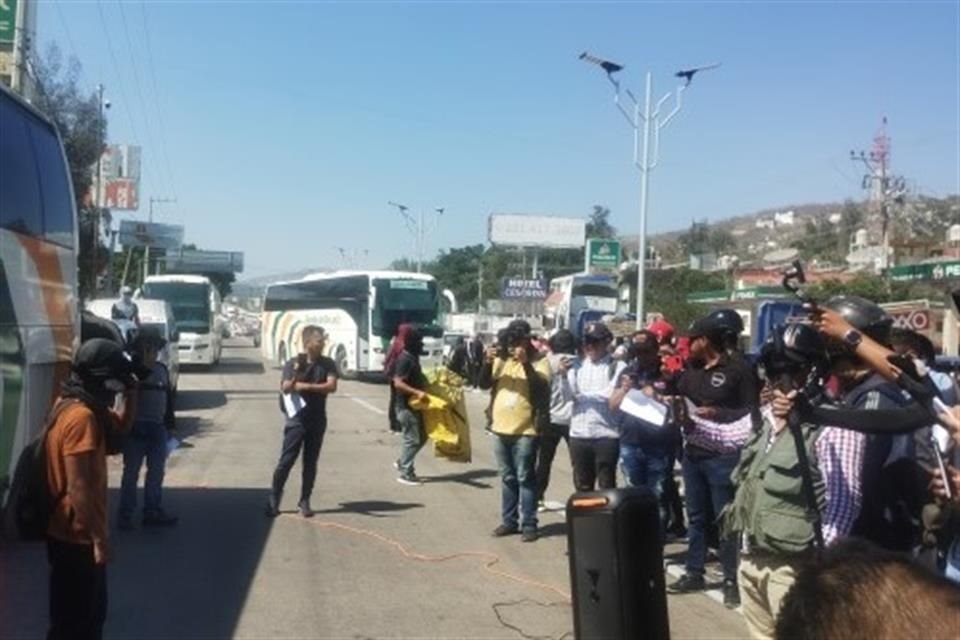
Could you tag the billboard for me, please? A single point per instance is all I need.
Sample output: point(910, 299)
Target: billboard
point(120, 168)
point(188, 261)
point(536, 231)
point(149, 234)
point(523, 289)
point(8, 20)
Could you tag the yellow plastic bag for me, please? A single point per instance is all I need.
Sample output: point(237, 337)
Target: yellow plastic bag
point(445, 416)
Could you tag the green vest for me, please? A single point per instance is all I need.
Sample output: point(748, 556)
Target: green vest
point(769, 506)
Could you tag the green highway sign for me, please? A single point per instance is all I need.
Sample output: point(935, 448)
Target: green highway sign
point(602, 254)
point(8, 20)
point(928, 271)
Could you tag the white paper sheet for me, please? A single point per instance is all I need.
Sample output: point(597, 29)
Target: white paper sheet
point(640, 405)
point(292, 404)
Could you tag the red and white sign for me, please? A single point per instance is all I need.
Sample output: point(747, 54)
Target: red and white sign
point(121, 193)
point(913, 320)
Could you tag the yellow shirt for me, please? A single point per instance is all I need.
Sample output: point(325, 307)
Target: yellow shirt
point(512, 409)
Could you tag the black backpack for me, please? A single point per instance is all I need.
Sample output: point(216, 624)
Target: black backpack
point(29, 497)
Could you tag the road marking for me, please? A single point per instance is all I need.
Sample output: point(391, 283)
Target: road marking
point(366, 405)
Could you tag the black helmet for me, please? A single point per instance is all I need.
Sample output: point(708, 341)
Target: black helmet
point(728, 319)
point(597, 332)
point(707, 327)
point(792, 349)
point(865, 316)
point(99, 359)
point(148, 337)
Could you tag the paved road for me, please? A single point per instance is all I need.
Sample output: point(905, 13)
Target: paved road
point(371, 564)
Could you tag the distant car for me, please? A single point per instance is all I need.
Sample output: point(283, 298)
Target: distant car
point(156, 313)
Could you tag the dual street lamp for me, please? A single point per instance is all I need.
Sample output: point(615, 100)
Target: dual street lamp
point(415, 225)
point(644, 121)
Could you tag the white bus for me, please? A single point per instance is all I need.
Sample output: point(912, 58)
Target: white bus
point(360, 311)
point(196, 309)
point(579, 298)
point(39, 318)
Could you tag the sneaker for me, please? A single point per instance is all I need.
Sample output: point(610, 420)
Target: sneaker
point(410, 480)
point(731, 594)
point(396, 465)
point(273, 506)
point(159, 518)
point(305, 510)
point(541, 507)
point(125, 523)
point(529, 535)
point(505, 530)
point(689, 583)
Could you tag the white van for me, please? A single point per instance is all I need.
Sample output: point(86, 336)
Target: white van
point(153, 313)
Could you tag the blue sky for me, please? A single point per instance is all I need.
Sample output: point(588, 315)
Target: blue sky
point(288, 126)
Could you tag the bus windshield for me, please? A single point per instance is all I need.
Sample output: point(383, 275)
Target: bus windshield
point(400, 301)
point(190, 302)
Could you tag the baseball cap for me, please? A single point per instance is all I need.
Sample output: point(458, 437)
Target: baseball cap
point(706, 327)
point(662, 329)
point(597, 332)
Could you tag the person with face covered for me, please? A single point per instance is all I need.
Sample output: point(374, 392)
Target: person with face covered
point(82, 421)
point(723, 397)
point(125, 308)
point(409, 383)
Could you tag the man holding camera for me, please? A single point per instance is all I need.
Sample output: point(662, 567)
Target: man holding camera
point(778, 526)
point(308, 379)
point(521, 392)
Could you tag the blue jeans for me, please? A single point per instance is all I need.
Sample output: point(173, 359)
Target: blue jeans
point(706, 481)
point(147, 440)
point(411, 429)
point(517, 457)
point(647, 467)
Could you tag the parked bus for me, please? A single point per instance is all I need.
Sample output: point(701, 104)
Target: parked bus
point(360, 311)
point(196, 309)
point(39, 318)
point(577, 299)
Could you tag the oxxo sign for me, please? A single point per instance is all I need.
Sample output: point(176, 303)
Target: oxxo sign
point(523, 289)
point(913, 320)
point(602, 255)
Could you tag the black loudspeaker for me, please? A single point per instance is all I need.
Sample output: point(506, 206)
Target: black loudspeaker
point(616, 566)
point(953, 299)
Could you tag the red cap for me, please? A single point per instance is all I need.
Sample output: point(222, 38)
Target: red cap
point(663, 330)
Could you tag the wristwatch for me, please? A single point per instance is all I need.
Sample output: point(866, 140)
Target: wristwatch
point(853, 338)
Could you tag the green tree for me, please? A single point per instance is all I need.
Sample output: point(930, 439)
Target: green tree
point(598, 226)
point(76, 113)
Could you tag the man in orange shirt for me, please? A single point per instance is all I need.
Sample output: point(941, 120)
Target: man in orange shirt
point(76, 463)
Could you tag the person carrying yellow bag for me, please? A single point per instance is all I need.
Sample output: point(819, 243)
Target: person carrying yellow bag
point(444, 415)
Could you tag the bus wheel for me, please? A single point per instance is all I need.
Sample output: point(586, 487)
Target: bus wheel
point(343, 366)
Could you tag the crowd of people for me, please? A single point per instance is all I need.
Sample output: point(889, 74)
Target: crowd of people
point(837, 431)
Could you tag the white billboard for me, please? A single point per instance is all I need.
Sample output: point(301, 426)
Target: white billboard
point(537, 231)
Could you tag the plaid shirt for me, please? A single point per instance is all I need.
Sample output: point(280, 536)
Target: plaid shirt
point(840, 459)
point(717, 437)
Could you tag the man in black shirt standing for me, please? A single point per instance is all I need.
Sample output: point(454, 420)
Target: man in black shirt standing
point(409, 382)
point(307, 380)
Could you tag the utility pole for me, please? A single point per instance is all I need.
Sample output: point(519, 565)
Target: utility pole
point(480, 287)
point(98, 195)
point(415, 225)
point(146, 249)
point(881, 185)
point(643, 123)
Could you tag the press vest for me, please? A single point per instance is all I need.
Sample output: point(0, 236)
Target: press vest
point(769, 506)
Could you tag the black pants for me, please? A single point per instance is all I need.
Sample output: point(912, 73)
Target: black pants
point(549, 441)
point(594, 462)
point(296, 435)
point(78, 592)
point(671, 501)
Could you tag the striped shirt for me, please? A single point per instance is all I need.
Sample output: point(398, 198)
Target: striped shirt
point(591, 385)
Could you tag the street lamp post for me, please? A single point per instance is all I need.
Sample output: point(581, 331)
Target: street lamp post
point(98, 195)
point(643, 123)
point(415, 225)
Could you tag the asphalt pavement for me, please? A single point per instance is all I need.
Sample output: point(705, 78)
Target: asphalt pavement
point(379, 560)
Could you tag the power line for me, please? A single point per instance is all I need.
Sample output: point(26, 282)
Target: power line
point(143, 103)
point(151, 67)
point(116, 69)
